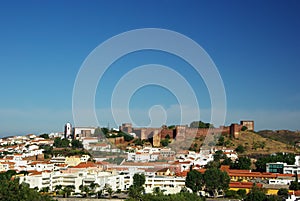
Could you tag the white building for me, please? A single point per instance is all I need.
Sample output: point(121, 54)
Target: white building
point(84, 131)
point(168, 184)
point(86, 141)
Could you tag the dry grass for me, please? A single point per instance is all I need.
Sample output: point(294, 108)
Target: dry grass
point(252, 141)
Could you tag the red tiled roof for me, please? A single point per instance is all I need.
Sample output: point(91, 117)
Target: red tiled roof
point(296, 193)
point(243, 185)
point(85, 165)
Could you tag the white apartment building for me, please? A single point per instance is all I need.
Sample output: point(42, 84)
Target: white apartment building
point(148, 154)
point(39, 166)
point(54, 178)
point(168, 184)
point(117, 180)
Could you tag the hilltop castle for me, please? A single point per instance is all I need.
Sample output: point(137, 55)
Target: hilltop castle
point(182, 132)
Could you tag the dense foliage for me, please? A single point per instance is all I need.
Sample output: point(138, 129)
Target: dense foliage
point(61, 143)
point(194, 181)
point(212, 181)
point(13, 191)
point(216, 180)
point(111, 134)
point(184, 196)
point(258, 194)
point(242, 163)
point(261, 162)
point(136, 190)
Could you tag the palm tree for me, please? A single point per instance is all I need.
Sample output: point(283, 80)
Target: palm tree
point(109, 190)
point(99, 193)
point(57, 188)
point(157, 191)
point(68, 190)
point(85, 189)
point(93, 186)
point(45, 189)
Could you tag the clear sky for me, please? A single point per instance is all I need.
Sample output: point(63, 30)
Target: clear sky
point(254, 44)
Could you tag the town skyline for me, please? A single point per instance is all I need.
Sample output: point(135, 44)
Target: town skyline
point(254, 45)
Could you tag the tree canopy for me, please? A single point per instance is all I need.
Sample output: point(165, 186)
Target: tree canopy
point(261, 162)
point(136, 189)
point(216, 180)
point(242, 163)
point(12, 190)
point(183, 196)
point(194, 181)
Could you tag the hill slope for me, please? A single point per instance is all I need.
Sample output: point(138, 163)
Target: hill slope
point(285, 136)
point(256, 144)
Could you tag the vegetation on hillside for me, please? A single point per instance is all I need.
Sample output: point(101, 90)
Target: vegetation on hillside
point(285, 136)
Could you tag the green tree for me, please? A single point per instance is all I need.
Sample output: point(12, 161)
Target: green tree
point(294, 185)
point(99, 193)
point(157, 191)
point(194, 181)
point(244, 128)
point(61, 143)
point(68, 190)
point(45, 189)
point(85, 190)
point(12, 190)
point(183, 196)
point(76, 144)
point(139, 180)
point(135, 192)
point(7, 175)
point(213, 164)
point(138, 142)
point(93, 186)
point(221, 141)
point(136, 189)
point(283, 193)
point(105, 131)
point(164, 142)
point(108, 189)
point(242, 163)
point(242, 193)
point(256, 194)
point(227, 161)
point(218, 155)
point(45, 136)
point(58, 188)
point(216, 180)
point(171, 127)
point(261, 162)
point(240, 149)
point(127, 136)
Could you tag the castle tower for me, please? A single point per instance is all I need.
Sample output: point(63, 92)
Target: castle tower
point(180, 132)
point(248, 124)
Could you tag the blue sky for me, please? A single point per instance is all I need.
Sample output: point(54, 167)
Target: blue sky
point(254, 44)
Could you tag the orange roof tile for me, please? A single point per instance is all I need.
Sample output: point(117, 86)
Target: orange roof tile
point(85, 165)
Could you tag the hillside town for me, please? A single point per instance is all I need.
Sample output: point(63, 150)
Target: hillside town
point(102, 162)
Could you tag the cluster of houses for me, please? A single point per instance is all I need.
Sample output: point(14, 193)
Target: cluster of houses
point(162, 167)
